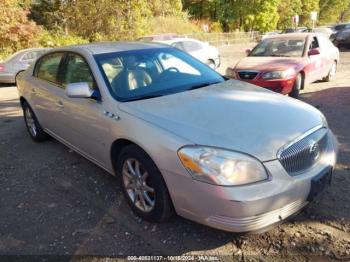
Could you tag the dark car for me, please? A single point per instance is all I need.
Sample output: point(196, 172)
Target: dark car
point(342, 38)
point(340, 27)
point(295, 30)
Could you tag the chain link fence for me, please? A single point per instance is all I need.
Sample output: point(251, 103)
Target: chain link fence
point(221, 39)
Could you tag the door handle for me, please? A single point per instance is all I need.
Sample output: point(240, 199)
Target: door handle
point(33, 91)
point(60, 104)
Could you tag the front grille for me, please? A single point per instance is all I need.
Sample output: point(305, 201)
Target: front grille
point(247, 75)
point(305, 152)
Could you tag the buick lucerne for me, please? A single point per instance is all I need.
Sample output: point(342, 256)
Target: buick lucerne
point(178, 136)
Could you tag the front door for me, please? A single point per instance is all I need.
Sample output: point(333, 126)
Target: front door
point(82, 118)
point(314, 68)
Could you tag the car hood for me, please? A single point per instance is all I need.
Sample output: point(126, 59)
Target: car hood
point(269, 63)
point(232, 115)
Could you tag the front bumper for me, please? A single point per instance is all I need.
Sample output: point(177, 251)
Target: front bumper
point(284, 86)
point(250, 207)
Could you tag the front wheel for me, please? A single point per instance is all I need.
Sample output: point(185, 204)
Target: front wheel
point(35, 130)
point(298, 84)
point(143, 185)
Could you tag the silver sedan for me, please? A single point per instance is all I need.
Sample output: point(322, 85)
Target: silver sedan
point(178, 136)
point(17, 63)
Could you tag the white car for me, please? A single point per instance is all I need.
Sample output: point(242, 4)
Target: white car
point(203, 51)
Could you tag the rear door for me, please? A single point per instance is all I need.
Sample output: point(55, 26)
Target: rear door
point(328, 54)
point(46, 90)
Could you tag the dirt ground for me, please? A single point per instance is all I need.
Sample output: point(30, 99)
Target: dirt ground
point(55, 202)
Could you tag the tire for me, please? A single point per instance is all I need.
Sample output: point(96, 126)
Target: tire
point(33, 126)
point(145, 182)
point(211, 64)
point(298, 85)
point(332, 72)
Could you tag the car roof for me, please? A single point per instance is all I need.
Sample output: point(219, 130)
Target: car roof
point(293, 35)
point(179, 39)
point(110, 47)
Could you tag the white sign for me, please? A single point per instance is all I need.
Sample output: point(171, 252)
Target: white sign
point(295, 19)
point(313, 16)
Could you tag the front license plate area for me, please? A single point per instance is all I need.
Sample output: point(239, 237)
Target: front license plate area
point(319, 183)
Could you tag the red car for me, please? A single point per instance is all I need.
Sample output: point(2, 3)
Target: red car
point(286, 63)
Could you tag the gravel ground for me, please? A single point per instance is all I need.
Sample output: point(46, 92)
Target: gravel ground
point(54, 202)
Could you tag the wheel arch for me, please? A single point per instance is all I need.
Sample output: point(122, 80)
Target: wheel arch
point(303, 75)
point(22, 100)
point(117, 147)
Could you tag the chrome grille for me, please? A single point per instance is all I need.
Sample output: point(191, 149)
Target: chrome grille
point(247, 75)
point(305, 152)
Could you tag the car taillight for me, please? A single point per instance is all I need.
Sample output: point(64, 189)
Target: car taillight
point(2, 68)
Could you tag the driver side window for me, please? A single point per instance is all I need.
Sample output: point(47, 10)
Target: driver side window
point(77, 70)
point(314, 44)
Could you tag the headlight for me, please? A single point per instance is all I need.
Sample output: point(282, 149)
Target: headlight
point(221, 167)
point(278, 74)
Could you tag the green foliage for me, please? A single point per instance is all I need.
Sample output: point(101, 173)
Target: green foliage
point(215, 27)
point(173, 24)
point(308, 6)
point(332, 10)
point(55, 39)
point(267, 16)
point(16, 31)
point(68, 22)
point(286, 10)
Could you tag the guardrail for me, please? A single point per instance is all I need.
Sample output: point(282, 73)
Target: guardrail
point(220, 39)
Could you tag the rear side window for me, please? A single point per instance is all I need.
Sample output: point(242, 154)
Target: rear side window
point(179, 45)
point(47, 67)
point(77, 70)
point(31, 55)
point(191, 46)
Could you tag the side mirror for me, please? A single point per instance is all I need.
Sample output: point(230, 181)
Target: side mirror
point(314, 51)
point(247, 51)
point(79, 90)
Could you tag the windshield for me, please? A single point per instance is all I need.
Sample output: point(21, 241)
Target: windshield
point(280, 47)
point(141, 74)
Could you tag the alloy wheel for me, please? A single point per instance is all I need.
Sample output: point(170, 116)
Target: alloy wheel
point(138, 185)
point(30, 121)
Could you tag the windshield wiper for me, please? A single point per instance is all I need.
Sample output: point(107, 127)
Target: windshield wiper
point(142, 97)
point(279, 55)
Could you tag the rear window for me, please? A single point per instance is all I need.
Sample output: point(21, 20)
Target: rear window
point(32, 55)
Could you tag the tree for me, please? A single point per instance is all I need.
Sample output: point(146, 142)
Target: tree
point(261, 15)
point(49, 14)
point(332, 10)
point(16, 31)
point(287, 9)
point(308, 6)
